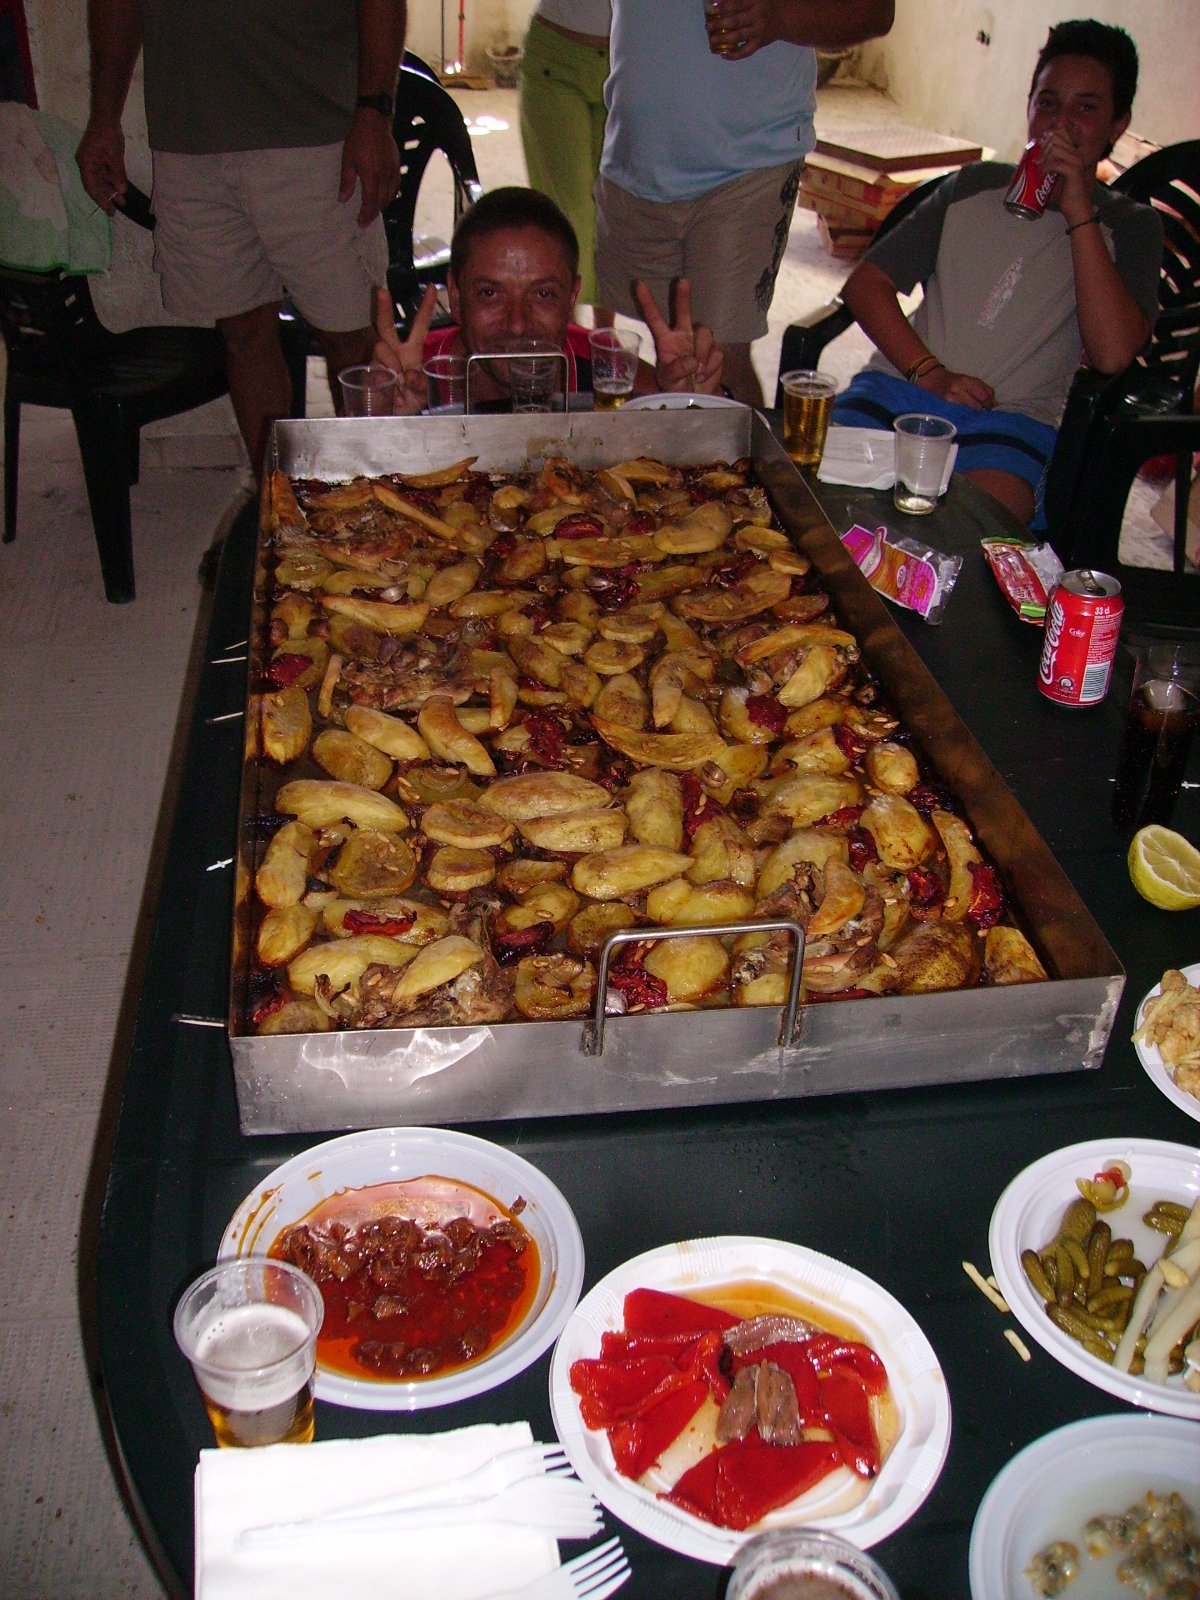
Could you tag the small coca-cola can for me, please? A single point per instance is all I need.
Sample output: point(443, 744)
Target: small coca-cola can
point(1083, 624)
point(1030, 190)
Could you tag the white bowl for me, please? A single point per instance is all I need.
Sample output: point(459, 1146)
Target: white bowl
point(389, 1155)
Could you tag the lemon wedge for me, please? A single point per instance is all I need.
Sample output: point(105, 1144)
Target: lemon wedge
point(1165, 868)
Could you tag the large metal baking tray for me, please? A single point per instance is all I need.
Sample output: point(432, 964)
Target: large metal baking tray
point(317, 1082)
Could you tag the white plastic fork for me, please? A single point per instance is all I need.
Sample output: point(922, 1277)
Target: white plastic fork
point(481, 1483)
point(594, 1575)
point(555, 1504)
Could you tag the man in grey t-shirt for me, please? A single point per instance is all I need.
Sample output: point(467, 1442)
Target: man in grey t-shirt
point(271, 131)
point(1011, 306)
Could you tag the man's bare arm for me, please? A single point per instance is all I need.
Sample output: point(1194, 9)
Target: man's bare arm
point(370, 155)
point(115, 39)
point(871, 296)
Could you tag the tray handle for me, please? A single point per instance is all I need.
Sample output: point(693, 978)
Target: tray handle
point(791, 1025)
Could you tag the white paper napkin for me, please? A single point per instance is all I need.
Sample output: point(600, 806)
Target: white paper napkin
point(865, 458)
point(238, 1489)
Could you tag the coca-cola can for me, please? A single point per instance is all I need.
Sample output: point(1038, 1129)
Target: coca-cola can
point(1030, 190)
point(1083, 624)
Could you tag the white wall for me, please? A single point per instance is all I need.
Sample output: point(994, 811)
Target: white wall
point(937, 69)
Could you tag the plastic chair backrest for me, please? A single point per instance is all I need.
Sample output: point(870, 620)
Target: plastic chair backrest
point(427, 120)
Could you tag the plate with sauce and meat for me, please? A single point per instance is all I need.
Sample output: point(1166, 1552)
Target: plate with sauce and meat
point(718, 1388)
point(447, 1264)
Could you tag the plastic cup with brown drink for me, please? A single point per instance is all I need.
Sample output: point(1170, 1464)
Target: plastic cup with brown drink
point(1163, 714)
point(807, 408)
point(614, 366)
point(806, 1564)
point(720, 39)
point(249, 1328)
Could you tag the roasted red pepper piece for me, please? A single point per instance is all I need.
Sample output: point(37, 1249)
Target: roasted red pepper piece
point(766, 712)
point(638, 1443)
point(847, 1410)
point(826, 1351)
point(860, 842)
point(986, 905)
point(286, 667)
point(611, 1392)
point(621, 1346)
point(653, 1312)
point(737, 1485)
point(706, 1364)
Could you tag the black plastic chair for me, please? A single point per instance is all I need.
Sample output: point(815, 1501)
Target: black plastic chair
point(427, 121)
point(61, 355)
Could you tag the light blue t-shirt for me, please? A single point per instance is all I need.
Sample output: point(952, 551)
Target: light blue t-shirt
point(683, 121)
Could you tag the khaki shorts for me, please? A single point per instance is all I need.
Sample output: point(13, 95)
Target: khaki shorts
point(238, 230)
point(728, 244)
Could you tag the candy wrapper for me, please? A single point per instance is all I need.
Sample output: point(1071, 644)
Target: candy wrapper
point(1026, 574)
point(907, 572)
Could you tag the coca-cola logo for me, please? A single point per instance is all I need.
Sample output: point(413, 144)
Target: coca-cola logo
point(1045, 187)
point(1056, 619)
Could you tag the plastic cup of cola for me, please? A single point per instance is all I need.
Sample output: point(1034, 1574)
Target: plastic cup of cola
point(806, 1564)
point(614, 366)
point(1160, 721)
point(923, 446)
point(368, 390)
point(249, 1328)
point(446, 377)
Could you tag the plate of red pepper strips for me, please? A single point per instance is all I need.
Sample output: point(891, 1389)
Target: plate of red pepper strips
point(653, 1351)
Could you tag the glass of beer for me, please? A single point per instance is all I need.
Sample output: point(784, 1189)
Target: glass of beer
point(806, 1564)
point(1163, 714)
point(249, 1328)
point(614, 366)
point(807, 408)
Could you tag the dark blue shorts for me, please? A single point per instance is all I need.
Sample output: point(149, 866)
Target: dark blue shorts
point(1004, 441)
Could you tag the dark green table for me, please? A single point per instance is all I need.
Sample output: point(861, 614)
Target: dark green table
point(901, 1185)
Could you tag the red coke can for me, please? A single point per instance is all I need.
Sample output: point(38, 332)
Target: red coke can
point(1030, 190)
point(1083, 623)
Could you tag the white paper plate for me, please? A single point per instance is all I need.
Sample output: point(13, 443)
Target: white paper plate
point(385, 1155)
point(917, 1383)
point(1152, 1061)
point(678, 402)
point(1028, 1214)
point(1054, 1485)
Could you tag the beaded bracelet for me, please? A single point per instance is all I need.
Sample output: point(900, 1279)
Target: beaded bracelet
point(1087, 221)
point(927, 363)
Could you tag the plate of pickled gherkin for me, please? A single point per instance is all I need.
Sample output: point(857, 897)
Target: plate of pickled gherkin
point(1096, 1249)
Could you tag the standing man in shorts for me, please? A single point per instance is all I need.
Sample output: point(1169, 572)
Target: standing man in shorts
point(271, 131)
point(703, 151)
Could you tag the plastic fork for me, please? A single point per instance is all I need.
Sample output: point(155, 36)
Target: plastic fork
point(594, 1575)
point(557, 1505)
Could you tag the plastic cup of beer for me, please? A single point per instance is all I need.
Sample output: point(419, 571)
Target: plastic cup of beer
point(249, 1328)
point(807, 408)
point(446, 377)
point(368, 390)
point(806, 1564)
point(721, 41)
point(614, 365)
point(923, 445)
point(1162, 716)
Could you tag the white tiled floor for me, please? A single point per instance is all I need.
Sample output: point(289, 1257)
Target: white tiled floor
point(89, 717)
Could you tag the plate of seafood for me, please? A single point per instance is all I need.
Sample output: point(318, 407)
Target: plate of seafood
point(717, 1388)
point(1166, 1037)
point(1096, 1248)
point(1106, 1506)
point(447, 1264)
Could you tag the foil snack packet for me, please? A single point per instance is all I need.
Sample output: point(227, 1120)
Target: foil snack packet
point(911, 574)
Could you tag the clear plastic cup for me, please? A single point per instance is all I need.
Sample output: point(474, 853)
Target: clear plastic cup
point(368, 390)
point(614, 366)
point(807, 408)
point(923, 446)
point(446, 377)
point(806, 1564)
point(249, 1328)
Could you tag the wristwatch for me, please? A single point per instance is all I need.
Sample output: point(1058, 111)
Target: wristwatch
point(383, 103)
